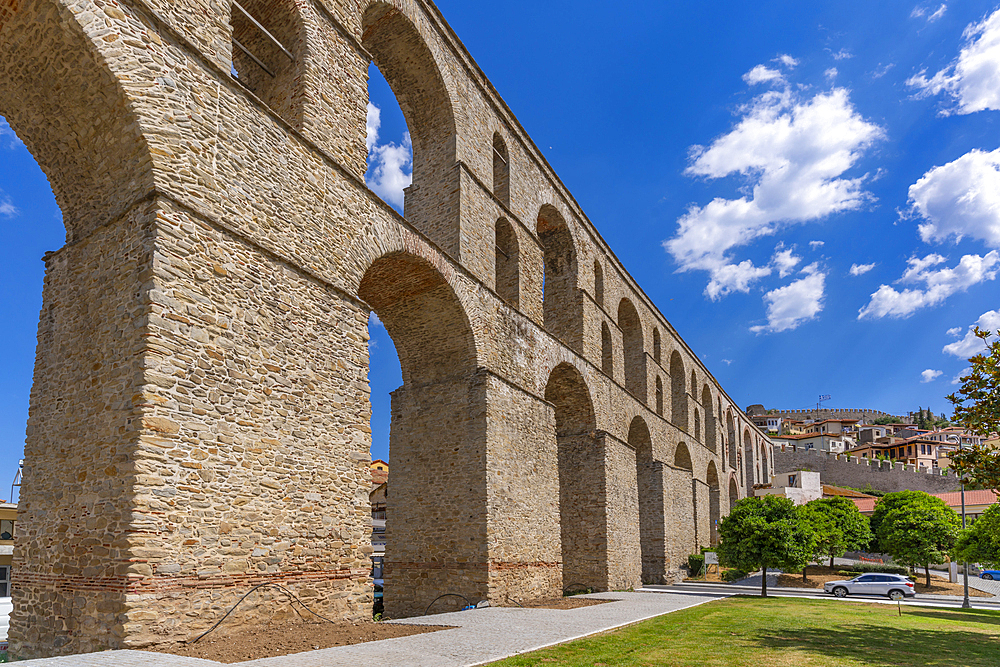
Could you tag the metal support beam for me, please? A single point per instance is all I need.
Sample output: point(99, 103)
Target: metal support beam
point(252, 57)
point(263, 30)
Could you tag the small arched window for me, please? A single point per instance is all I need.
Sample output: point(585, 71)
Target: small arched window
point(659, 396)
point(265, 38)
point(656, 344)
point(507, 265)
point(598, 284)
point(607, 352)
point(501, 170)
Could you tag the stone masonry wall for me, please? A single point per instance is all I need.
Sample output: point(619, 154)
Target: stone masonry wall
point(858, 473)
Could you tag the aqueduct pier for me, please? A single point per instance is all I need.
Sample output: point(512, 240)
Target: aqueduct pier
point(199, 417)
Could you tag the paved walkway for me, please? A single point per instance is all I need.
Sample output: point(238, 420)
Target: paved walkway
point(479, 636)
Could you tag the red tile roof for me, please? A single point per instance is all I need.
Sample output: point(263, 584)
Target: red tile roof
point(954, 499)
point(865, 505)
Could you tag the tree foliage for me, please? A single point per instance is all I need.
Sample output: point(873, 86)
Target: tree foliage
point(981, 542)
point(977, 409)
point(915, 528)
point(765, 533)
point(838, 525)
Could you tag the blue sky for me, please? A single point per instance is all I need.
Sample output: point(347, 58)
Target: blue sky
point(810, 192)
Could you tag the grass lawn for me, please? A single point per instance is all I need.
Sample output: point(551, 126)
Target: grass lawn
point(775, 632)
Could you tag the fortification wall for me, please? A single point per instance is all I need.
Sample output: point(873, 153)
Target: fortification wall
point(852, 471)
point(862, 414)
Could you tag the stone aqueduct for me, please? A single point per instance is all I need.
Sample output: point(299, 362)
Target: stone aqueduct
point(199, 418)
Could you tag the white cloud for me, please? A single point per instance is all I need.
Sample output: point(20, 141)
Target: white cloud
point(787, 61)
point(390, 170)
point(8, 139)
point(970, 345)
point(728, 278)
point(861, 269)
point(930, 375)
point(843, 54)
point(921, 11)
point(831, 74)
point(795, 303)
point(954, 331)
point(762, 74)
point(958, 378)
point(7, 208)
point(938, 285)
point(795, 152)
point(728, 362)
point(785, 262)
point(882, 70)
point(961, 198)
point(374, 321)
point(372, 123)
point(816, 244)
point(972, 79)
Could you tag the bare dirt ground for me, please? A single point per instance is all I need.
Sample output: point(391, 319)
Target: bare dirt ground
point(817, 576)
point(572, 602)
point(287, 638)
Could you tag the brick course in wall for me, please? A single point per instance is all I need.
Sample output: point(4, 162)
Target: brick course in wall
point(200, 417)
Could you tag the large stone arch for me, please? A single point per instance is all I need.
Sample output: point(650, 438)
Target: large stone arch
point(61, 94)
point(731, 438)
point(684, 538)
point(649, 478)
point(419, 81)
point(714, 502)
point(634, 353)
point(437, 439)
point(582, 482)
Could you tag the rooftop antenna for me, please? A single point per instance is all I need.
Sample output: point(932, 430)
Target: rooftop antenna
point(17, 481)
point(819, 403)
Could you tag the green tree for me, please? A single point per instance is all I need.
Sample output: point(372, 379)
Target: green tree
point(882, 421)
point(977, 410)
point(765, 533)
point(981, 542)
point(915, 528)
point(838, 525)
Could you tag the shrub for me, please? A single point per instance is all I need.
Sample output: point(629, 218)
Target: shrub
point(695, 563)
point(880, 568)
point(734, 574)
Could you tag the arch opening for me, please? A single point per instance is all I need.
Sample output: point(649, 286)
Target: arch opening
point(634, 353)
point(562, 307)
point(714, 503)
point(507, 265)
point(685, 500)
point(267, 39)
point(649, 479)
point(582, 483)
point(659, 396)
point(678, 392)
point(731, 438)
point(734, 494)
point(711, 437)
point(437, 426)
point(501, 170)
point(656, 345)
point(430, 192)
point(607, 351)
point(598, 283)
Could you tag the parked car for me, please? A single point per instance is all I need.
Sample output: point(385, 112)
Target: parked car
point(990, 574)
point(894, 585)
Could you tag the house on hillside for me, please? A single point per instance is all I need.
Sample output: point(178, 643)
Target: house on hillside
point(799, 486)
point(823, 442)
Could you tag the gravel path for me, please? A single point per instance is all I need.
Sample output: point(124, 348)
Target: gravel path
point(479, 636)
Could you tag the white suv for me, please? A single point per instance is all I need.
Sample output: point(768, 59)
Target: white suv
point(894, 585)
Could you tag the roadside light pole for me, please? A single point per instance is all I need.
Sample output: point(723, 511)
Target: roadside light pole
point(965, 566)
